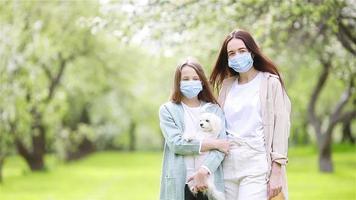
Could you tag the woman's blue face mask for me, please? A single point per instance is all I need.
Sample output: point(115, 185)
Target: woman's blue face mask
point(241, 62)
point(191, 89)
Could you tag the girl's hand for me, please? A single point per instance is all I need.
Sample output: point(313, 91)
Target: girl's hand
point(200, 179)
point(275, 182)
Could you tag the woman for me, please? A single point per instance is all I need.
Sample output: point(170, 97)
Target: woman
point(191, 96)
point(257, 109)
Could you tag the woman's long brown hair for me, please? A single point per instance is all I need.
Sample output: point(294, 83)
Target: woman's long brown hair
point(221, 69)
point(205, 95)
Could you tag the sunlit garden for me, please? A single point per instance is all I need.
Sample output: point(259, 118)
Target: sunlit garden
point(81, 83)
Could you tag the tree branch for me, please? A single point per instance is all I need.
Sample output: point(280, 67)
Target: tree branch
point(47, 71)
point(56, 79)
point(347, 30)
point(345, 37)
point(336, 115)
point(342, 102)
point(313, 118)
point(346, 116)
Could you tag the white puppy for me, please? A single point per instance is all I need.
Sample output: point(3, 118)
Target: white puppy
point(209, 127)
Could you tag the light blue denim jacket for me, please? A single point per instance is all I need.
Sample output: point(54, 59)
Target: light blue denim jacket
point(173, 177)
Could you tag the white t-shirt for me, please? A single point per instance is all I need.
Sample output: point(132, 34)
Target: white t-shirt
point(242, 110)
point(191, 122)
point(191, 118)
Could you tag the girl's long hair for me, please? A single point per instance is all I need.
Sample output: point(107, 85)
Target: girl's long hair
point(205, 95)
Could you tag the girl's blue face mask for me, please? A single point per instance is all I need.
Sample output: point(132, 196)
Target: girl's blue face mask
point(191, 89)
point(241, 62)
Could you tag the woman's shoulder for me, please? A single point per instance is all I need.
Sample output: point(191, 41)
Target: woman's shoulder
point(273, 79)
point(271, 76)
point(277, 86)
point(229, 80)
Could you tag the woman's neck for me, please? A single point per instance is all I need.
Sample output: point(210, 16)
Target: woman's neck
point(247, 76)
point(193, 102)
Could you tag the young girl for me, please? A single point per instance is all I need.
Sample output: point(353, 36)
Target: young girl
point(191, 96)
point(257, 111)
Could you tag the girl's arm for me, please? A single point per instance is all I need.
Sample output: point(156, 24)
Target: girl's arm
point(215, 157)
point(213, 160)
point(175, 142)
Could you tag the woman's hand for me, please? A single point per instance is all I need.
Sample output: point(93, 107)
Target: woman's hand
point(223, 146)
point(218, 144)
point(200, 180)
point(275, 182)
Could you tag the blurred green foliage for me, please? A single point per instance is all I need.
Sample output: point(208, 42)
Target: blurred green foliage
point(97, 71)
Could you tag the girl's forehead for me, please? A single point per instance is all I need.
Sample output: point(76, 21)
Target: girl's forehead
point(186, 70)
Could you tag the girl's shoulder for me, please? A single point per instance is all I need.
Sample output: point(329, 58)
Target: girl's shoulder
point(206, 107)
point(169, 105)
point(211, 107)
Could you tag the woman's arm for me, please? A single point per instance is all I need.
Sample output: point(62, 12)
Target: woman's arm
point(221, 145)
point(282, 109)
point(280, 139)
point(275, 180)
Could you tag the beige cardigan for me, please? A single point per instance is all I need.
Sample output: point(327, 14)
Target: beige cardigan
point(276, 108)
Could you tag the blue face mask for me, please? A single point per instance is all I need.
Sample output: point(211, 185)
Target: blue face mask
point(190, 89)
point(241, 62)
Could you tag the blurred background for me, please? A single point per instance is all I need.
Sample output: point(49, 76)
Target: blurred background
point(81, 83)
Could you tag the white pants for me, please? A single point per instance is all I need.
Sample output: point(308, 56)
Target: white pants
point(245, 170)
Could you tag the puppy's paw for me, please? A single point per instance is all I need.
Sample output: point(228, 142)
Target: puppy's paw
point(215, 194)
point(219, 196)
point(194, 190)
point(188, 138)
